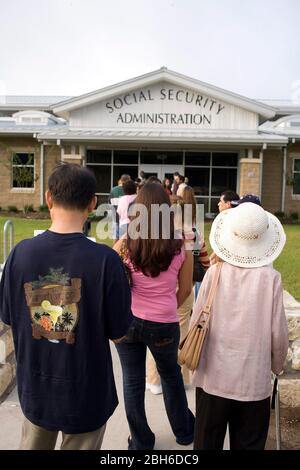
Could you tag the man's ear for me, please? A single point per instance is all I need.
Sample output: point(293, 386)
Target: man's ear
point(92, 204)
point(49, 200)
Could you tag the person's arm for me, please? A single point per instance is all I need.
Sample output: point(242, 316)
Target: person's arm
point(280, 338)
point(204, 258)
point(185, 278)
point(118, 245)
point(5, 293)
point(117, 299)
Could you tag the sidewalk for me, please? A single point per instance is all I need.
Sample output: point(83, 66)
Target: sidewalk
point(117, 432)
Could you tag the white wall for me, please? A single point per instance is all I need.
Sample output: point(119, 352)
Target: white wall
point(167, 104)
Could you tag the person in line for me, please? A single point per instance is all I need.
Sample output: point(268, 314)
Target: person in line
point(129, 189)
point(115, 194)
point(167, 186)
point(249, 198)
point(64, 297)
point(184, 312)
point(248, 334)
point(156, 266)
point(228, 200)
point(175, 184)
point(181, 186)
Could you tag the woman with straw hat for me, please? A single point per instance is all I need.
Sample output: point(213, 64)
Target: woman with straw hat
point(248, 336)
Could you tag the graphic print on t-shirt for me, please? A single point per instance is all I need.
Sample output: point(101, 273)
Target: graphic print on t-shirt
point(52, 302)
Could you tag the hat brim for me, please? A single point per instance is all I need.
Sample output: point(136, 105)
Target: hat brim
point(249, 253)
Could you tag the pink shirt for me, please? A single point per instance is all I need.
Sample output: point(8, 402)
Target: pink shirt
point(248, 335)
point(154, 298)
point(122, 210)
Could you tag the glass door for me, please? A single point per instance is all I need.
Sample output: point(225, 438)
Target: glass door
point(150, 170)
point(161, 171)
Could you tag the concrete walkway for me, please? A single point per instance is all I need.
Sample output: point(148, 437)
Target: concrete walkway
point(115, 438)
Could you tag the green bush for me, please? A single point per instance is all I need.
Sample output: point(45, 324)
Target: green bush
point(43, 208)
point(28, 208)
point(294, 216)
point(280, 214)
point(12, 209)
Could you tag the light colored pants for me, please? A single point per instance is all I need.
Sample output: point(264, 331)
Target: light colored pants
point(184, 315)
point(37, 438)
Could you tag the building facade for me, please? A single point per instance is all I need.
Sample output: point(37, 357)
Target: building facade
point(159, 123)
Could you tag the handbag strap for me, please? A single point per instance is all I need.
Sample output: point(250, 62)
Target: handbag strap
point(207, 308)
point(213, 289)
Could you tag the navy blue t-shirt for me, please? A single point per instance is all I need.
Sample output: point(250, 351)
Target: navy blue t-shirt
point(65, 297)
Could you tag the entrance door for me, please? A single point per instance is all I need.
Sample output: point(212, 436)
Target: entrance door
point(161, 171)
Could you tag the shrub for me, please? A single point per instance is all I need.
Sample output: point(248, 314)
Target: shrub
point(294, 216)
point(43, 208)
point(28, 208)
point(280, 214)
point(12, 209)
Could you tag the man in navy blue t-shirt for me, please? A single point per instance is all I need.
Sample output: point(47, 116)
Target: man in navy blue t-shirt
point(65, 297)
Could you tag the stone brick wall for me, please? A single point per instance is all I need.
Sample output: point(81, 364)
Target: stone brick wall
point(272, 180)
point(250, 175)
point(19, 197)
point(11, 196)
point(292, 202)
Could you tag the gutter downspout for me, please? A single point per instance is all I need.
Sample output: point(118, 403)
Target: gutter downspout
point(283, 179)
point(42, 189)
point(261, 158)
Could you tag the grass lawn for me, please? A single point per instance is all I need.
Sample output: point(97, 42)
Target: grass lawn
point(288, 263)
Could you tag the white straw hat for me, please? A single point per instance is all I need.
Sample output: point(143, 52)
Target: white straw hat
point(247, 236)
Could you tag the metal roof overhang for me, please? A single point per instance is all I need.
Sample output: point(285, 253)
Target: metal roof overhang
point(157, 136)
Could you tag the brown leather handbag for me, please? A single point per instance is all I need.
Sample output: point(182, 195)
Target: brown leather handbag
point(192, 345)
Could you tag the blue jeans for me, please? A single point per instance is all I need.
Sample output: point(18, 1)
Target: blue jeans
point(197, 288)
point(162, 339)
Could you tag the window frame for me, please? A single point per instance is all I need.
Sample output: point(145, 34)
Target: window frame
point(295, 172)
point(14, 165)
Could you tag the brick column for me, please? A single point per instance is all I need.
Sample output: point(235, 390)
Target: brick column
point(250, 173)
point(76, 159)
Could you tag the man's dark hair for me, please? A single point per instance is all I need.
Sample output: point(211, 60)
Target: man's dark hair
point(231, 196)
point(153, 179)
point(125, 178)
point(181, 178)
point(176, 173)
point(72, 186)
point(129, 188)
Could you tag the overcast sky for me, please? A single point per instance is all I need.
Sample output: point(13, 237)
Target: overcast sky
point(69, 47)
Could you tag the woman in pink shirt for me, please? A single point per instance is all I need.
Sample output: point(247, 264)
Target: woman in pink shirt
point(248, 334)
point(156, 266)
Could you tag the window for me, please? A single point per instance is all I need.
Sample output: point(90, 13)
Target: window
point(199, 180)
point(296, 179)
point(161, 157)
point(126, 156)
point(120, 170)
point(98, 156)
point(23, 170)
point(103, 177)
point(197, 158)
point(222, 179)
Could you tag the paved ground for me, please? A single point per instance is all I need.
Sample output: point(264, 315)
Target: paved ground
point(117, 430)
